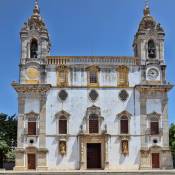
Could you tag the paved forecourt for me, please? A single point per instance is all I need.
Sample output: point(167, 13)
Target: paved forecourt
point(153, 172)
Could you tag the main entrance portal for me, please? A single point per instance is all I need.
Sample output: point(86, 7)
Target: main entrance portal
point(93, 155)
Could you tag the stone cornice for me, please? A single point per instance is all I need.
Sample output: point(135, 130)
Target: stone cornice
point(154, 87)
point(29, 88)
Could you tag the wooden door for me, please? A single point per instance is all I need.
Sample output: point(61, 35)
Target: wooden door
point(31, 161)
point(155, 160)
point(94, 156)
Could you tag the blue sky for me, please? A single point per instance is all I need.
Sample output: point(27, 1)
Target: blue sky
point(81, 27)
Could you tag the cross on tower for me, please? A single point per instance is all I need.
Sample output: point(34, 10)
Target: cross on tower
point(147, 3)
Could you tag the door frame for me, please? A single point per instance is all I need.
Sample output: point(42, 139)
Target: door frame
point(84, 140)
point(31, 150)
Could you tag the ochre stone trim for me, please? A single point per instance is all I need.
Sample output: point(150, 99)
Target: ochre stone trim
point(29, 88)
point(93, 138)
point(153, 88)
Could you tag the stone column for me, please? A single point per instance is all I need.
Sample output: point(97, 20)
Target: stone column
point(42, 151)
point(166, 158)
point(82, 161)
point(144, 157)
point(106, 153)
point(20, 154)
point(143, 73)
point(143, 119)
point(165, 125)
point(145, 162)
point(163, 75)
point(21, 106)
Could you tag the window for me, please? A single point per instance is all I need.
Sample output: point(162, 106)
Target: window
point(62, 125)
point(93, 123)
point(124, 147)
point(123, 76)
point(34, 48)
point(62, 76)
point(31, 127)
point(93, 76)
point(154, 127)
point(32, 124)
point(124, 125)
point(151, 49)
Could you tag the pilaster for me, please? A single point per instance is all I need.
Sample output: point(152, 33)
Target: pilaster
point(21, 105)
point(143, 115)
point(165, 125)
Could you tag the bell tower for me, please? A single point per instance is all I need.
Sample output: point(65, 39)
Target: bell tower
point(149, 40)
point(32, 94)
point(153, 91)
point(148, 46)
point(35, 47)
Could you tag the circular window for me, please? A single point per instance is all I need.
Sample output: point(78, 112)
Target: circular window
point(93, 95)
point(63, 95)
point(123, 95)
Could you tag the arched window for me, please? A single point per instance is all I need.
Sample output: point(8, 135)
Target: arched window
point(124, 125)
point(34, 49)
point(93, 123)
point(62, 125)
point(151, 49)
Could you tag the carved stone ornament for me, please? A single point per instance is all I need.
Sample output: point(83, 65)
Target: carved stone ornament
point(62, 113)
point(124, 113)
point(148, 22)
point(32, 73)
point(31, 88)
point(123, 95)
point(35, 22)
point(62, 95)
point(93, 95)
point(93, 110)
point(154, 116)
point(32, 116)
point(125, 148)
point(62, 147)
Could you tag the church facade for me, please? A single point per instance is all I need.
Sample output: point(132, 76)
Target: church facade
point(92, 112)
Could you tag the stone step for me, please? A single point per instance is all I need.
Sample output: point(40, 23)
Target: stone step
point(171, 172)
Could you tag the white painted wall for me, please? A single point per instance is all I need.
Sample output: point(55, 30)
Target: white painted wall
point(76, 105)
